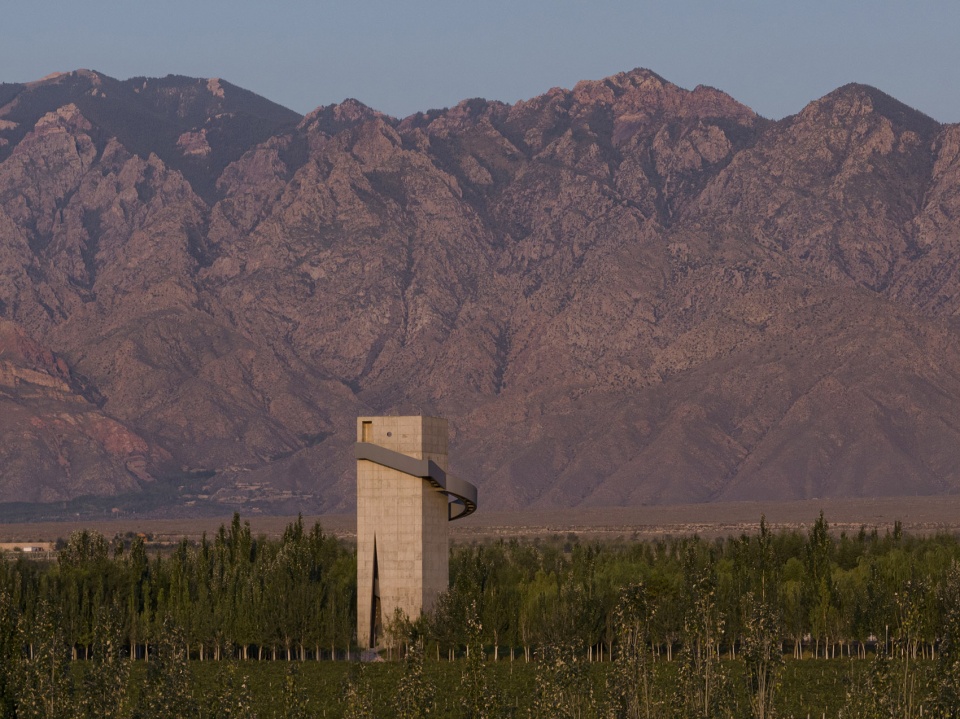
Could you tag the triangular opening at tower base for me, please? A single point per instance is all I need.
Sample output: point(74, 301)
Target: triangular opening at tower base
point(376, 618)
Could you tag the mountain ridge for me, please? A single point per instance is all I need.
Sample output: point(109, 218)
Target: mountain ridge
point(620, 293)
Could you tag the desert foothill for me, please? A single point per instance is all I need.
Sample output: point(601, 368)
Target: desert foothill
point(620, 401)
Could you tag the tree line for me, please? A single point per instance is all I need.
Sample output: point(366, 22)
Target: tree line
point(236, 594)
point(684, 608)
point(829, 595)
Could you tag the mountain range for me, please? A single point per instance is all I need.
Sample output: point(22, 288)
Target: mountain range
point(625, 293)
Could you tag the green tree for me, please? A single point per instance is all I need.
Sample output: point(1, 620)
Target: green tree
point(909, 603)
point(947, 678)
point(355, 697)
point(630, 686)
point(415, 692)
point(703, 687)
point(873, 694)
point(103, 693)
point(293, 703)
point(793, 607)
point(562, 688)
point(10, 649)
point(762, 654)
point(397, 632)
point(137, 581)
point(819, 584)
point(232, 699)
point(444, 622)
point(500, 603)
point(44, 688)
point(762, 649)
point(478, 700)
point(168, 690)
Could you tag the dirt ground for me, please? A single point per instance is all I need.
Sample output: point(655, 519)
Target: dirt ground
point(919, 515)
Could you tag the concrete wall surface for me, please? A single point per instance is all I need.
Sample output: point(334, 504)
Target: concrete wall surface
point(402, 532)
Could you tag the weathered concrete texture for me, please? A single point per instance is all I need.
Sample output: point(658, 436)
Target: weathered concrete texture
point(402, 533)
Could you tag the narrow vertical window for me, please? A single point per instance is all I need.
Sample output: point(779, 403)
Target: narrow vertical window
point(376, 618)
point(366, 432)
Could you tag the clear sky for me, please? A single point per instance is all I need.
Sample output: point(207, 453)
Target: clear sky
point(400, 56)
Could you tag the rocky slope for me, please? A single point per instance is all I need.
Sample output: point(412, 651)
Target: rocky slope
point(57, 444)
point(626, 292)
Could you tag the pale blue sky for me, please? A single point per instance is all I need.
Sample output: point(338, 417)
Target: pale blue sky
point(404, 56)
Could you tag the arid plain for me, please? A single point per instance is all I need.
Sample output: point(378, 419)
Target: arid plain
point(918, 515)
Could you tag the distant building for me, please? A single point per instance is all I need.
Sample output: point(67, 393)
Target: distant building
point(404, 500)
point(27, 547)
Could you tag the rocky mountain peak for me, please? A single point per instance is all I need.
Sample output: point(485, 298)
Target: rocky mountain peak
point(82, 77)
point(332, 119)
point(854, 101)
point(196, 126)
point(643, 92)
point(66, 116)
point(465, 115)
point(638, 82)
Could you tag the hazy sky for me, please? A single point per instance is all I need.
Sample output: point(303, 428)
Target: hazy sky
point(402, 56)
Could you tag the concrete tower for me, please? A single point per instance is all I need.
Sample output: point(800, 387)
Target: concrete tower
point(404, 500)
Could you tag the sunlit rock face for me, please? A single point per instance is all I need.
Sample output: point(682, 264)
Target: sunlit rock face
point(622, 293)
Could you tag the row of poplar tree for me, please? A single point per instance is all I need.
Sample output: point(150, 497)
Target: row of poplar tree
point(831, 595)
point(564, 603)
point(292, 597)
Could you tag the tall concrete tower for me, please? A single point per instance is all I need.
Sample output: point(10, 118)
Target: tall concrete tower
point(404, 500)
